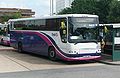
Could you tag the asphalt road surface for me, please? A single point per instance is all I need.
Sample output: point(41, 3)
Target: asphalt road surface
point(12, 61)
point(103, 71)
point(25, 65)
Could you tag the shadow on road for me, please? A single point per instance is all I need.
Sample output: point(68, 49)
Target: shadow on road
point(107, 62)
point(38, 59)
point(107, 59)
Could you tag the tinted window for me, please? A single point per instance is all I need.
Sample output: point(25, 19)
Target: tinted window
point(19, 25)
point(40, 24)
point(52, 24)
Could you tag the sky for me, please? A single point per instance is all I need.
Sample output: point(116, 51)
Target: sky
point(41, 7)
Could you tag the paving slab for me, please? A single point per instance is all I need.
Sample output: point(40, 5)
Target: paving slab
point(6, 48)
point(32, 62)
point(12, 61)
point(7, 65)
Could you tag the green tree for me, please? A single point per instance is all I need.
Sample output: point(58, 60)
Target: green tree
point(66, 11)
point(114, 14)
point(5, 18)
point(81, 7)
point(105, 9)
point(84, 6)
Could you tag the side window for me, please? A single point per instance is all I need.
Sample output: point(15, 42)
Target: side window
point(30, 25)
point(40, 24)
point(19, 25)
point(63, 30)
point(52, 24)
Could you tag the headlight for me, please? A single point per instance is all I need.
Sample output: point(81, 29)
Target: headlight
point(98, 47)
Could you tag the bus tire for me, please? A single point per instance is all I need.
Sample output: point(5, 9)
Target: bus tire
point(20, 49)
point(52, 54)
point(2, 41)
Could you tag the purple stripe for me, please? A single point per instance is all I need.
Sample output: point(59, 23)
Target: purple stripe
point(49, 42)
point(39, 34)
point(44, 38)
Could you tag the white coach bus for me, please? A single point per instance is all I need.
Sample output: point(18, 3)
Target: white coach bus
point(68, 37)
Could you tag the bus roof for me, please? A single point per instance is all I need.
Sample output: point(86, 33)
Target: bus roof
point(55, 16)
point(114, 25)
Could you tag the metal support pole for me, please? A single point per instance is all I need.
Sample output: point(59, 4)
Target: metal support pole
point(51, 7)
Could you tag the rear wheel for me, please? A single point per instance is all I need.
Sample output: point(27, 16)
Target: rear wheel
point(52, 54)
point(2, 41)
point(20, 49)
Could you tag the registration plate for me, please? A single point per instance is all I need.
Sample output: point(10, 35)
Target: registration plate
point(87, 56)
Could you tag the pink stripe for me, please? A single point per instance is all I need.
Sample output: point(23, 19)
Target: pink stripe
point(44, 38)
point(63, 56)
point(48, 41)
point(39, 34)
point(76, 59)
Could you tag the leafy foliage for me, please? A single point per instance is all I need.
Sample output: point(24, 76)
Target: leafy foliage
point(114, 14)
point(84, 6)
point(107, 10)
point(5, 18)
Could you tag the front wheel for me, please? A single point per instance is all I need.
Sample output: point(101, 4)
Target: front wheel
point(52, 54)
point(20, 47)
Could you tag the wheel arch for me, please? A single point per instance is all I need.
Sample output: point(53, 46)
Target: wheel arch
point(19, 42)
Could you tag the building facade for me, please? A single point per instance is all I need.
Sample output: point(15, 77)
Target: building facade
point(24, 13)
point(10, 11)
point(61, 4)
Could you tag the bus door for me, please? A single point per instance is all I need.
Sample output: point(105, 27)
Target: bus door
point(63, 34)
point(63, 31)
point(107, 40)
